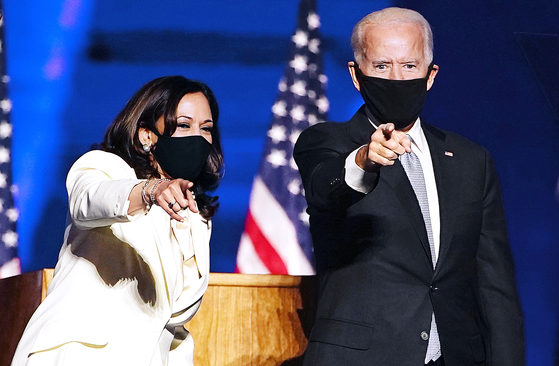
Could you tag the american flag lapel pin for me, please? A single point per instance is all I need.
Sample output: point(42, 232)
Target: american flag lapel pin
point(449, 153)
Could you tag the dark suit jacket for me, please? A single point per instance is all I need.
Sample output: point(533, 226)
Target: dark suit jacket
point(378, 288)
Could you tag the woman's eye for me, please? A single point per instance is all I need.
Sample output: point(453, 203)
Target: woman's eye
point(207, 128)
point(183, 125)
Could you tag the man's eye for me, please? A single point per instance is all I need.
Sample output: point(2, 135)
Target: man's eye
point(381, 67)
point(410, 66)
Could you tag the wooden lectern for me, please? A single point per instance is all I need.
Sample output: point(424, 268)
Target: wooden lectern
point(244, 320)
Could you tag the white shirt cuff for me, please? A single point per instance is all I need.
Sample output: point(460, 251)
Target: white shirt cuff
point(355, 177)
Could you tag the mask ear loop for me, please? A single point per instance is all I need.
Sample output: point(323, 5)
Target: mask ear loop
point(358, 71)
point(142, 124)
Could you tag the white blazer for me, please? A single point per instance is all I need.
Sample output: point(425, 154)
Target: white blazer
point(123, 286)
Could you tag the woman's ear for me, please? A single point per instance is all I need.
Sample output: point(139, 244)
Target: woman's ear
point(146, 137)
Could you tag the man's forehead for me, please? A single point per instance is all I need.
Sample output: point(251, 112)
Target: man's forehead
point(400, 39)
point(395, 28)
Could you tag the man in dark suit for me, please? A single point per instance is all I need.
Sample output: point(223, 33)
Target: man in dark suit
point(407, 221)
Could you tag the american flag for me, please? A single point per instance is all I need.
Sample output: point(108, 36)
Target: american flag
point(276, 238)
point(9, 263)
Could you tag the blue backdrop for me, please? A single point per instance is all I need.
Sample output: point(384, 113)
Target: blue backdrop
point(74, 63)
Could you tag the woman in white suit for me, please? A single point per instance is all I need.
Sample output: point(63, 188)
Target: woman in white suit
point(135, 259)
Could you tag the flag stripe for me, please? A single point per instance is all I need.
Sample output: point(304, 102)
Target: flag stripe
point(10, 268)
point(278, 232)
point(265, 251)
point(248, 260)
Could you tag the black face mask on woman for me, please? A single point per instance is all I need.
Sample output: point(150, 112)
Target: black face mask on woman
point(182, 157)
point(393, 101)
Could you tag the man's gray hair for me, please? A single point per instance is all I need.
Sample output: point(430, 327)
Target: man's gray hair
point(386, 17)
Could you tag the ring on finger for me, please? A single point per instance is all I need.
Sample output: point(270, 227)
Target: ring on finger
point(171, 204)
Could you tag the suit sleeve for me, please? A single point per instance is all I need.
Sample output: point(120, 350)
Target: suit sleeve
point(321, 160)
point(500, 302)
point(99, 185)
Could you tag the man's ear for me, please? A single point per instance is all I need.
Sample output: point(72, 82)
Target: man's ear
point(351, 65)
point(431, 78)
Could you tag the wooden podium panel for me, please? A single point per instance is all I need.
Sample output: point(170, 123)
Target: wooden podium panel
point(251, 320)
point(19, 297)
point(244, 320)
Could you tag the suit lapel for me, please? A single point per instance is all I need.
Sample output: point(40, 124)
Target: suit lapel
point(447, 177)
point(396, 177)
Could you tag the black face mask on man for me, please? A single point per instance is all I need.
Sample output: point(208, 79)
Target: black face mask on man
point(182, 157)
point(393, 101)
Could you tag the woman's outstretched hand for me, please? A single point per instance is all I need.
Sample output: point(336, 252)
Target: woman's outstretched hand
point(173, 196)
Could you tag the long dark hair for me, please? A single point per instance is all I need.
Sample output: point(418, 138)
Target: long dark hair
point(160, 97)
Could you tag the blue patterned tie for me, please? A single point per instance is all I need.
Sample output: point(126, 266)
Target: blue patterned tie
point(413, 169)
